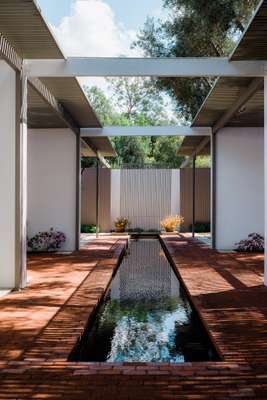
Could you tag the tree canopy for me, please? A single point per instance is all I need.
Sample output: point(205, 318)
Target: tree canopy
point(136, 102)
point(193, 28)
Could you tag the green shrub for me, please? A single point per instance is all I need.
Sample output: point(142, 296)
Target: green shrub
point(136, 230)
point(88, 228)
point(201, 227)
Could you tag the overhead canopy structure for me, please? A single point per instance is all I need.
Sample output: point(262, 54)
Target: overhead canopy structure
point(234, 101)
point(190, 143)
point(25, 29)
point(253, 43)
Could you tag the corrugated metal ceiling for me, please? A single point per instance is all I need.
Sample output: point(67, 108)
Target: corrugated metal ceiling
point(223, 96)
point(253, 43)
point(23, 25)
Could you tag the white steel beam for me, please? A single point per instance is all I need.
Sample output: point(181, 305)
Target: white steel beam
point(200, 147)
point(145, 131)
point(158, 67)
point(102, 160)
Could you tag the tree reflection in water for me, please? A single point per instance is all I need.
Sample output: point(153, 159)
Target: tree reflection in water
point(146, 316)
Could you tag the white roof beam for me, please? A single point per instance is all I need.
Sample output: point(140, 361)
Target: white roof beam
point(200, 147)
point(145, 131)
point(102, 160)
point(158, 67)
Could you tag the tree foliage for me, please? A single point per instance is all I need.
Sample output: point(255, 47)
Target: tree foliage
point(193, 28)
point(136, 102)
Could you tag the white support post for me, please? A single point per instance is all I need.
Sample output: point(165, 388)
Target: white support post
point(213, 198)
point(21, 180)
point(13, 164)
point(265, 178)
point(78, 191)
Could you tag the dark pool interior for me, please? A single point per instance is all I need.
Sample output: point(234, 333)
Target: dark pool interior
point(145, 316)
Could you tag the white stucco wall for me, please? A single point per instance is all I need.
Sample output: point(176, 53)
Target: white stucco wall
point(145, 196)
point(7, 175)
point(52, 182)
point(175, 192)
point(239, 185)
point(115, 196)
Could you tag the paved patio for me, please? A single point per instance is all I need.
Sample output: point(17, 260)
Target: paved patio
point(39, 327)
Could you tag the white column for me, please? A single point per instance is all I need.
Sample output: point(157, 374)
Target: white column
point(21, 179)
point(78, 191)
point(265, 177)
point(213, 191)
point(13, 145)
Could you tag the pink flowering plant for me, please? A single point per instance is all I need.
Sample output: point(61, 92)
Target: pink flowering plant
point(254, 243)
point(47, 241)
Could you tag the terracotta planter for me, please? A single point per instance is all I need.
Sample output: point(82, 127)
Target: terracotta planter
point(119, 229)
point(169, 229)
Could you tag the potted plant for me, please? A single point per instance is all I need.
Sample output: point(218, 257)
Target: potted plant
point(120, 224)
point(51, 240)
point(171, 223)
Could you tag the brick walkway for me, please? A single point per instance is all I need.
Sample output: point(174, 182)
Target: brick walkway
point(62, 292)
point(40, 325)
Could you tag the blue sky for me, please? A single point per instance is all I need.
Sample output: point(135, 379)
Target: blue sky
point(131, 13)
point(98, 28)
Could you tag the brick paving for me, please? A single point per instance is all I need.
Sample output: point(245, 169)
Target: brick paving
point(39, 326)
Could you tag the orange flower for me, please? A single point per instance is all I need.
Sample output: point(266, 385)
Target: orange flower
point(171, 222)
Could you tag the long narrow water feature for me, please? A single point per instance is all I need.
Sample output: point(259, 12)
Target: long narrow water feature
point(146, 316)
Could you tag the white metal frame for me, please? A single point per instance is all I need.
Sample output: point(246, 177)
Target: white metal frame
point(152, 67)
point(176, 130)
point(162, 67)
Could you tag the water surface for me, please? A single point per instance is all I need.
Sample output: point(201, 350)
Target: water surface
point(146, 316)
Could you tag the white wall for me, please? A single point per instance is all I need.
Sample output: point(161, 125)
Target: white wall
point(175, 192)
point(145, 196)
point(7, 175)
point(115, 193)
point(52, 182)
point(239, 185)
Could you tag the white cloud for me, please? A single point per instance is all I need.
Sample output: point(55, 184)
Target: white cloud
point(90, 30)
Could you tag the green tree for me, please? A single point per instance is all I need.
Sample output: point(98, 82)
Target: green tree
point(139, 101)
point(165, 152)
point(193, 28)
point(135, 102)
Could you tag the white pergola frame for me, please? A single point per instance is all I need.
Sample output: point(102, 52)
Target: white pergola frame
point(144, 67)
point(176, 130)
point(161, 67)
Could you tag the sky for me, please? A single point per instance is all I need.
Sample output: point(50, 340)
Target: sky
point(131, 13)
point(99, 28)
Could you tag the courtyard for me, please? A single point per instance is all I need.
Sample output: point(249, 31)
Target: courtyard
point(41, 325)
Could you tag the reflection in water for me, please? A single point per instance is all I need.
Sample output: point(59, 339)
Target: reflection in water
point(144, 273)
point(146, 316)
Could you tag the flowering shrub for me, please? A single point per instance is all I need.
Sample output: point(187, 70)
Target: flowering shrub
point(171, 223)
point(254, 242)
point(121, 224)
point(47, 241)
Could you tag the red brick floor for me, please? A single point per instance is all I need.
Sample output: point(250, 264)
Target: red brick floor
point(62, 292)
point(39, 326)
